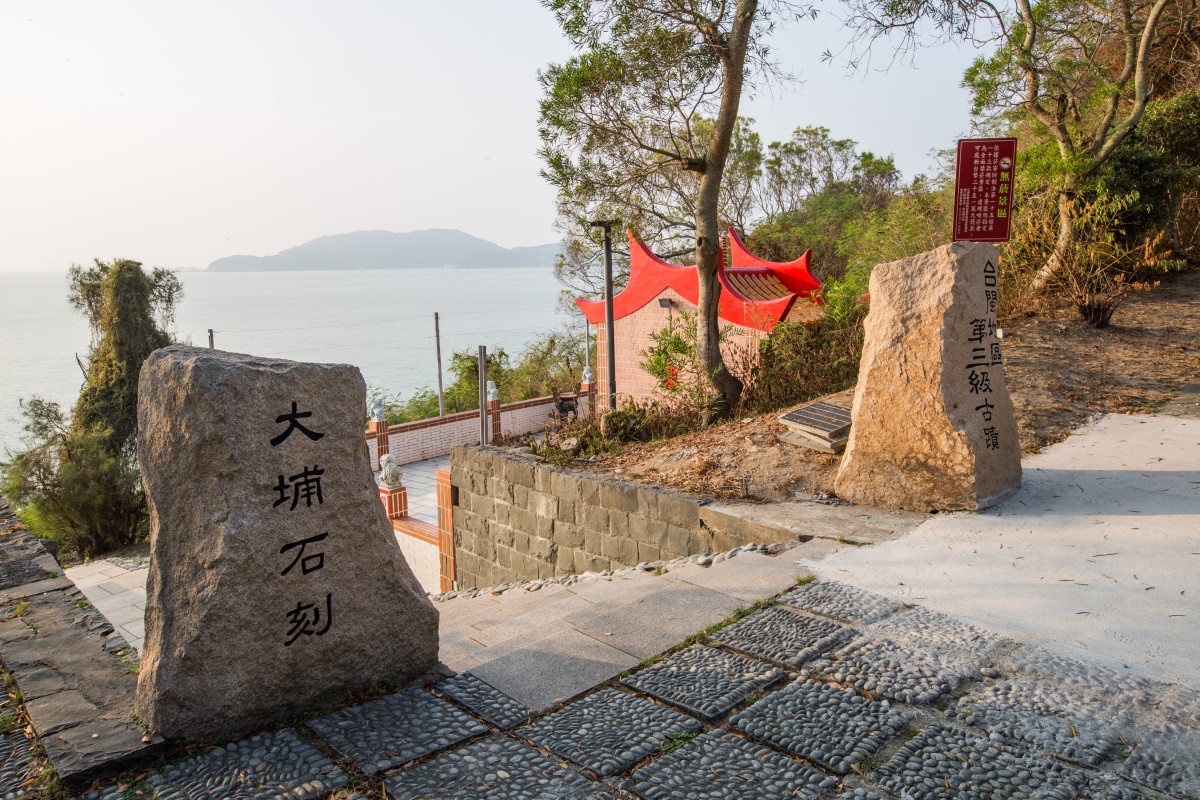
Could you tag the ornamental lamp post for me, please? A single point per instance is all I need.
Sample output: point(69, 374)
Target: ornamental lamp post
point(607, 224)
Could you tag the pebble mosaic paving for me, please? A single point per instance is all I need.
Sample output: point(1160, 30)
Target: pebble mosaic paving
point(18, 771)
point(833, 727)
point(722, 766)
point(1029, 724)
point(943, 763)
point(1034, 714)
point(496, 768)
point(783, 635)
point(1167, 763)
point(842, 602)
point(922, 629)
point(704, 680)
point(485, 700)
point(608, 732)
point(1046, 682)
point(883, 668)
point(385, 733)
point(1109, 787)
point(266, 766)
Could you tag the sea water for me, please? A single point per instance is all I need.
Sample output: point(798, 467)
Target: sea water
point(379, 320)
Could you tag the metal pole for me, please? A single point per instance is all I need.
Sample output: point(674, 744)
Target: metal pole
point(210, 340)
point(607, 224)
point(587, 343)
point(437, 343)
point(483, 411)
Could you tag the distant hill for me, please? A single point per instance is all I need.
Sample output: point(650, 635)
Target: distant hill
point(388, 250)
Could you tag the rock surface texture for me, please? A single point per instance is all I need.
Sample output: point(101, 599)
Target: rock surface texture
point(276, 584)
point(933, 425)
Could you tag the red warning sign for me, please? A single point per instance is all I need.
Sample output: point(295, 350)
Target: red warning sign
point(983, 185)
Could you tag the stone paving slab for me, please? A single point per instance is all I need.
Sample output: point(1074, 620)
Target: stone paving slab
point(653, 623)
point(506, 634)
point(783, 635)
point(705, 681)
point(382, 734)
point(269, 765)
point(841, 601)
point(496, 768)
point(727, 767)
point(554, 668)
point(747, 577)
point(485, 700)
point(80, 694)
point(608, 732)
point(943, 763)
point(833, 727)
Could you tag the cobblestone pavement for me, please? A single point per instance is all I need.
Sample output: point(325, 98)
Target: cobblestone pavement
point(903, 703)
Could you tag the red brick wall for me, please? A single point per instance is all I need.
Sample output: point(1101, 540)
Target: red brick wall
point(634, 337)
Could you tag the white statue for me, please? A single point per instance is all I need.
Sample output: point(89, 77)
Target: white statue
point(389, 476)
point(377, 412)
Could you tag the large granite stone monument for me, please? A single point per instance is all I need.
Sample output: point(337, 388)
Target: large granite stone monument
point(276, 584)
point(933, 425)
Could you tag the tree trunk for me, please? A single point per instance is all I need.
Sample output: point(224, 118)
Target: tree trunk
point(1066, 238)
point(708, 236)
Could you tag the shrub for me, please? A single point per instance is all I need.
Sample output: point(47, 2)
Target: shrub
point(71, 487)
point(77, 482)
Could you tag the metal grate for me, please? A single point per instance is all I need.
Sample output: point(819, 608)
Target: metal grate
point(821, 418)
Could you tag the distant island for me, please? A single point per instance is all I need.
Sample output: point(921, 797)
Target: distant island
point(388, 250)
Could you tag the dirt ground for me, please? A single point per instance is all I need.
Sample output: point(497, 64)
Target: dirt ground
point(1060, 373)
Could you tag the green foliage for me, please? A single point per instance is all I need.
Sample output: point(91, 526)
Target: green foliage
point(121, 303)
point(76, 481)
point(551, 362)
point(672, 358)
point(798, 363)
point(1099, 269)
point(70, 486)
point(818, 224)
point(917, 220)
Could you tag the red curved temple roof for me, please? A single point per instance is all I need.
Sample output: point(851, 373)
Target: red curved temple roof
point(754, 293)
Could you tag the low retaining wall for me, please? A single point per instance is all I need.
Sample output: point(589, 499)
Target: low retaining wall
point(516, 518)
point(429, 438)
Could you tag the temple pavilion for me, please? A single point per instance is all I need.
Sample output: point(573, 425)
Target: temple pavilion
point(756, 295)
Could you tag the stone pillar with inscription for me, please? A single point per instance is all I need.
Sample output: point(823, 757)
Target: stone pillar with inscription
point(933, 424)
point(276, 584)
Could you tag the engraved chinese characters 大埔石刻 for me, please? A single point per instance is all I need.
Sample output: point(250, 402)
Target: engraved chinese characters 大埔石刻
point(243, 563)
point(305, 619)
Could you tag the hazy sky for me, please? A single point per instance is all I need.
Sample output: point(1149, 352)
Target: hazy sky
point(175, 133)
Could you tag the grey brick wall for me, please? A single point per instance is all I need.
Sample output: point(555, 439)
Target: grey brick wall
point(519, 519)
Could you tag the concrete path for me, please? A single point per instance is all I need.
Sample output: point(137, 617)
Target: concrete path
point(1097, 555)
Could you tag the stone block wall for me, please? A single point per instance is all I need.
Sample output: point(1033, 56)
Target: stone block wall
point(516, 518)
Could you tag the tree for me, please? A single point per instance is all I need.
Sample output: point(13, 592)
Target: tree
point(1077, 71)
point(623, 133)
point(76, 481)
point(128, 312)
